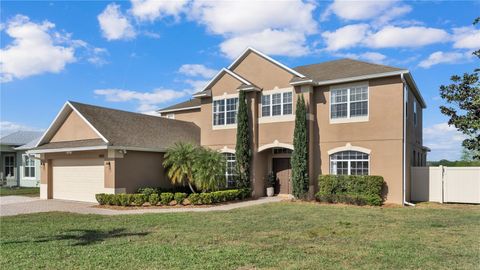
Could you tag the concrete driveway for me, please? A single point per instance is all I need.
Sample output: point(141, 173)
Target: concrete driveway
point(26, 205)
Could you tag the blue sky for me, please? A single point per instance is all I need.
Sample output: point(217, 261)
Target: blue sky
point(143, 55)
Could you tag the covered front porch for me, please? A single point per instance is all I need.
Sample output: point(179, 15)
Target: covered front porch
point(273, 159)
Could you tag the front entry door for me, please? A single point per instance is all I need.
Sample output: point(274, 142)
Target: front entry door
point(282, 170)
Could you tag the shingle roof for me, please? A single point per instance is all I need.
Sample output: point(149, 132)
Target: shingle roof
point(131, 130)
point(182, 105)
point(73, 144)
point(20, 138)
point(342, 68)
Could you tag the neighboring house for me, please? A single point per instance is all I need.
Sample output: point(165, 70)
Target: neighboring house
point(16, 167)
point(363, 118)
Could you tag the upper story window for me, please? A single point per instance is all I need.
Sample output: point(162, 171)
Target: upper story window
point(225, 111)
point(277, 104)
point(349, 102)
point(415, 113)
point(349, 162)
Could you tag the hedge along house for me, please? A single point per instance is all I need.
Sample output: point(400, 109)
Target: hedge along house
point(89, 149)
point(363, 118)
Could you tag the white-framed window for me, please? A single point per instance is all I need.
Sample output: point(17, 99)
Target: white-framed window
point(9, 165)
point(28, 166)
point(415, 113)
point(230, 169)
point(349, 102)
point(277, 104)
point(349, 163)
point(170, 116)
point(225, 111)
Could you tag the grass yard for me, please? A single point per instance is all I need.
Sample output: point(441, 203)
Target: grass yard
point(23, 191)
point(273, 236)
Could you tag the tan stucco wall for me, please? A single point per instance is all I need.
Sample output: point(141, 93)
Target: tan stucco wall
point(382, 133)
point(187, 115)
point(140, 169)
point(263, 73)
point(74, 128)
point(226, 84)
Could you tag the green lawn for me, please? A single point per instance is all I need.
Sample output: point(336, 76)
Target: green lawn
point(23, 191)
point(272, 236)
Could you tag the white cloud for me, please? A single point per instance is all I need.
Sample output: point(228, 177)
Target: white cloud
point(197, 70)
point(358, 10)
point(197, 85)
point(392, 13)
point(147, 101)
point(251, 16)
point(278, 28)
point(415, 36)
point(444, 141)
point(115, 25)
point(33, 50)
point(440, 57)
point(7, 127)
point(345, 37)
point(466, 38)
point(151, 10)
point(272, 42)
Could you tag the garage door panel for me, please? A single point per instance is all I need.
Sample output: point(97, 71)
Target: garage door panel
point(78, 179)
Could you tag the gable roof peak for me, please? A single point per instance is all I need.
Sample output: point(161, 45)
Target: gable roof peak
point(266, 57)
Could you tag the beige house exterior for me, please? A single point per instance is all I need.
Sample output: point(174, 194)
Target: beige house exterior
point(363, 118)
point(386, 132)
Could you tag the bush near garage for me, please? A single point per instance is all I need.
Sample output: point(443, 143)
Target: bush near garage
point(166, 198)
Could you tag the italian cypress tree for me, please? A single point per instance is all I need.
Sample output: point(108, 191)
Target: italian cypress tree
point(299, 159)
point(242, 147)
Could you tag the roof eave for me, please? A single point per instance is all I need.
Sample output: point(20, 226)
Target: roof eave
point(179, 109)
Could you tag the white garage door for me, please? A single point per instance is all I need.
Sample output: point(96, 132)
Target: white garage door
point(77, 179)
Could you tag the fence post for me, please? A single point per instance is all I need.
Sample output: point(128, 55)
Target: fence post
point(443, 182)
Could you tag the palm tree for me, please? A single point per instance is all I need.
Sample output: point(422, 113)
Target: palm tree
point(209, 169)
point(179, 161)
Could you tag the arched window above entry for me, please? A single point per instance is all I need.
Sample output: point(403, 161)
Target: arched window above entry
point(350, 162)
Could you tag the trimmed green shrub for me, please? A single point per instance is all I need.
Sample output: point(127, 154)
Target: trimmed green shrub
point(153, 199)
point(101, 198)
point(206, 198)
point(351, 189)
point(147, 191)
point(179, 197)
point(123, 199)
point(111, 199)
point(194, 198)
point(166, 198)
point(139, 199)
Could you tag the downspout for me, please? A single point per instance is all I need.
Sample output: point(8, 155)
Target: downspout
point(404, 172)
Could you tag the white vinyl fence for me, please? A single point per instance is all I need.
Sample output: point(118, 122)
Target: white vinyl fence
point(446, 184)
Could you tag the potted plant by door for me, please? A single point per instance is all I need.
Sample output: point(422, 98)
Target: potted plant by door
point(271, 179)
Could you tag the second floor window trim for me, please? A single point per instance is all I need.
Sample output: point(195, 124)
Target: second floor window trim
point(277, 104)
point(224, 111)
point(349, 103)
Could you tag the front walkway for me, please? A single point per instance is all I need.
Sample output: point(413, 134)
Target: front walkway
point(38, 206)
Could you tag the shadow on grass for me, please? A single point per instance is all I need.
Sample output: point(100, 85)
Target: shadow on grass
point(84, 237)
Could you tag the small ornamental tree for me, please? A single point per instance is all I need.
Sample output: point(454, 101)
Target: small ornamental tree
point(299, 159)
point(242, 148)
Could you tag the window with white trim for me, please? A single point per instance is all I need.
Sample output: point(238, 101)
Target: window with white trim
point(349, 163)
point(230, 169)
point(415, 113)
point(349, 102)
point(277, 104)
point(225, 111)
point(9, 165)
point(28, 166)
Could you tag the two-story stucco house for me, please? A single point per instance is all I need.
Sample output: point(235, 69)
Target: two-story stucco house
point(363, 118)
